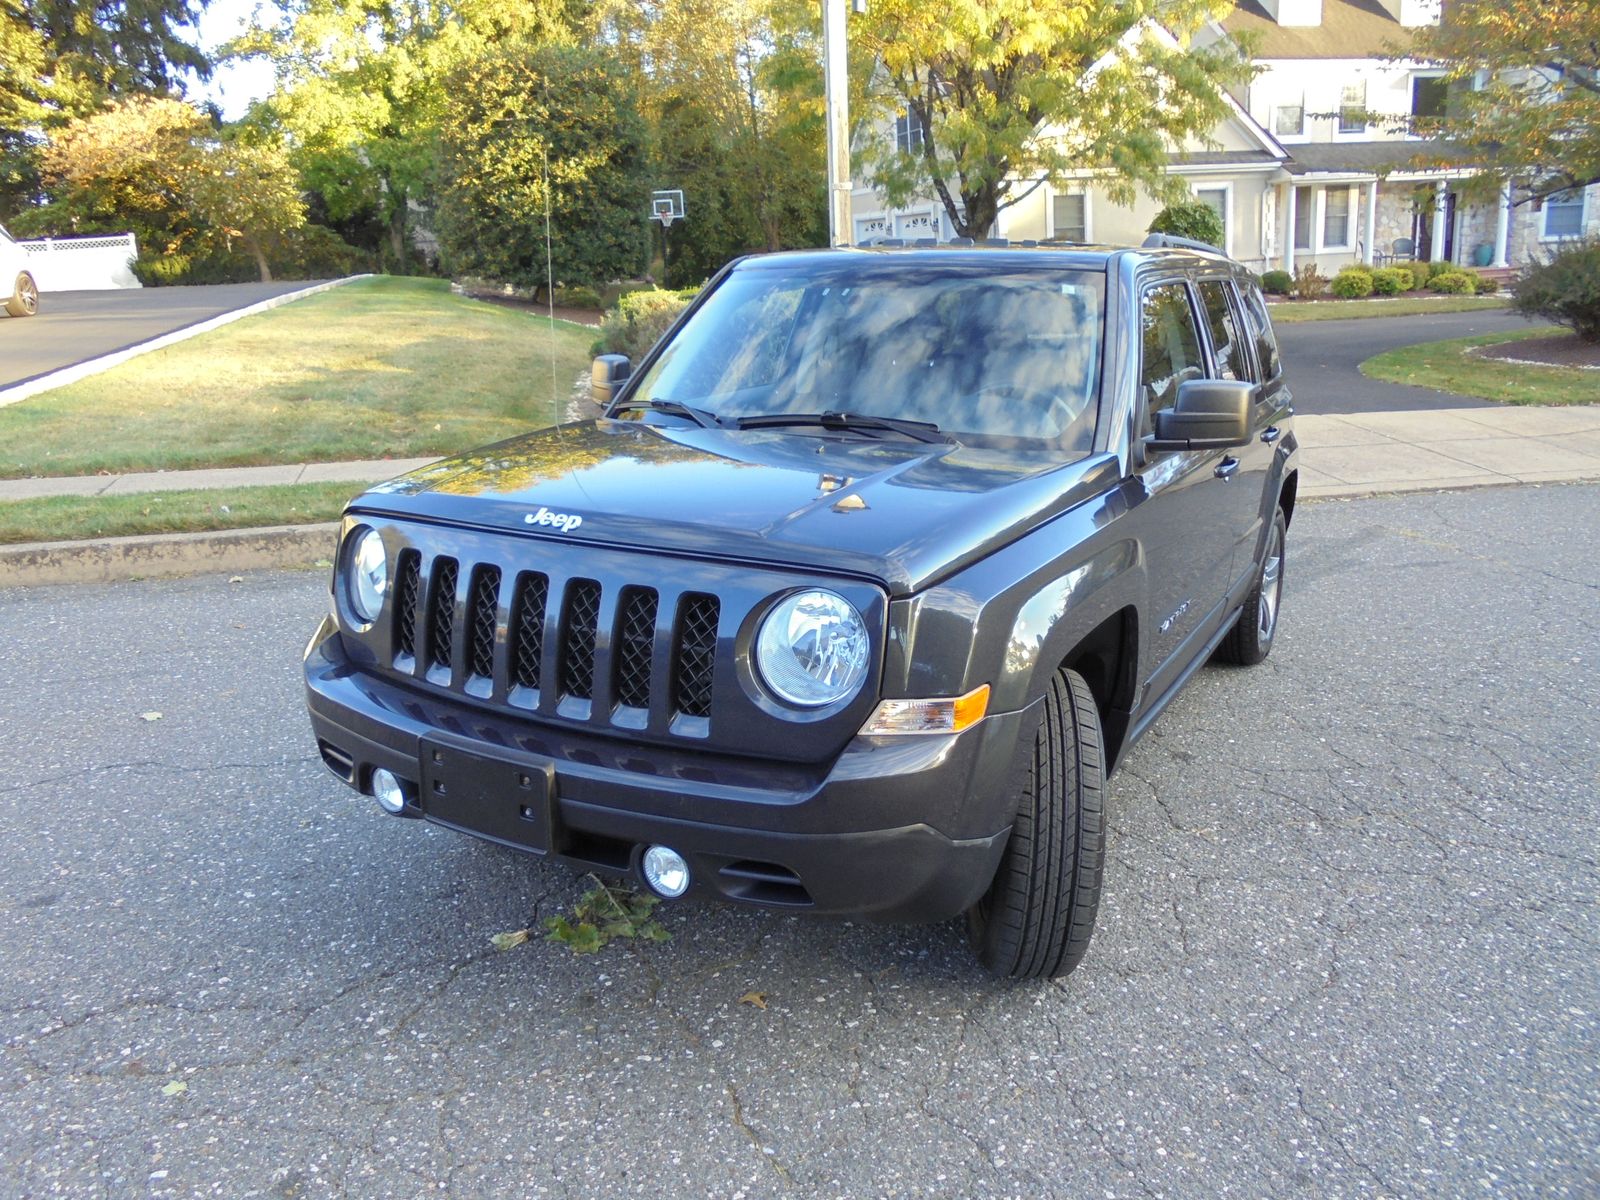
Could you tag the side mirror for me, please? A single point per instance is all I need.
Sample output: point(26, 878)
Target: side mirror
point(607, 375)
point(1210, 414)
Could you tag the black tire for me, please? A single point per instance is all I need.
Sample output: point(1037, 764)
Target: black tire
point(24, 301)
point(1038, 915)
point(1250, 639)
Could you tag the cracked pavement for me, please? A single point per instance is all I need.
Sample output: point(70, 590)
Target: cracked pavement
point(1349, 944)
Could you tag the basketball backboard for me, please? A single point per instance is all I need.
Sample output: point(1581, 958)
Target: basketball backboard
point(666, 206)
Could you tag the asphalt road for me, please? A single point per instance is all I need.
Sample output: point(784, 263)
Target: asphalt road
point(1350, 946)
point(1323, 359)
point(73, 326)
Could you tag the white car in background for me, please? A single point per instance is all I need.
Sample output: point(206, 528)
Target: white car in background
point(17, 288)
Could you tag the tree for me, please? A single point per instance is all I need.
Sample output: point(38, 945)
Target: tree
point(244, 189)
point(1190, 219)
point(1001, 96)
point(1525, 104)
point(513, 115)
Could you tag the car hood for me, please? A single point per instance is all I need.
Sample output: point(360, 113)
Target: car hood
point(904, 513)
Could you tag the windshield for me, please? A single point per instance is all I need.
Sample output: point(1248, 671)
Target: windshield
point(1003, 358)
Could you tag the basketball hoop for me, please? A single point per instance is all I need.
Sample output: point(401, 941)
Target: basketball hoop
point(666, 207)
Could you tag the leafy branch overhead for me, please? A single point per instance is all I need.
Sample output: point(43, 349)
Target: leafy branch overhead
point(1001, 97)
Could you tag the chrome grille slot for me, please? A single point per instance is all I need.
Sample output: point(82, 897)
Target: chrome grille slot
point(695, 653)
point(481, 620)
point(579, 616)
point(442, 614)
point(634, 647)
point(527, 630)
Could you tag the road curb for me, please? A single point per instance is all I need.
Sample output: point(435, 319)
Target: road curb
point(93, 366)
point(109, 560)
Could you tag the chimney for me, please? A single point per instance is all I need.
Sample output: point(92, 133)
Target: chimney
point(1412, 13)
point(1302, 12)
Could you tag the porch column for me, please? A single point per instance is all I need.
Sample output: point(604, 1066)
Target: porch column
point(1288, 231)
point(1440, 189)
point(1502, 226)
point(1371, 245)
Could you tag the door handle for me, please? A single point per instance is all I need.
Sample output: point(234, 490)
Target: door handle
point(1271, 434)
point(1227, 468)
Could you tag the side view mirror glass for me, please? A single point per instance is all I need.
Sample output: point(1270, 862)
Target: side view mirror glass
point(607, 375)
point(1210, 414)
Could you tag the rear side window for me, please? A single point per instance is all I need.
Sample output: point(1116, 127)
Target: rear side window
point(1171, 347)
point(1255, 312)
point(1233, 360)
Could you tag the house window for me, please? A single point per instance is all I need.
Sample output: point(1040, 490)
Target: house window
point(908, 132)
point(1353, 108)
point(1336, 218)
point(1563, 214)
point(1216, 199)
point(1428, 95)
point(1069, 215)
point(1289, 120)
point(1303, 197)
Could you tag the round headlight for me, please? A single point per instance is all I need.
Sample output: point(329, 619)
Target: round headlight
point(369, 575)
point(812, 649)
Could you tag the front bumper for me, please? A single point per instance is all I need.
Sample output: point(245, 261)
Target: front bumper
point(894, 829)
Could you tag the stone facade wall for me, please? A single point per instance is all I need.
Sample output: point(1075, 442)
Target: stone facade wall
point(1526, 244)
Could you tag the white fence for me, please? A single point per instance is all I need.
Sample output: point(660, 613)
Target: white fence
point(83, 264)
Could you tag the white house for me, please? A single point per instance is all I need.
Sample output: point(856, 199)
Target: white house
point(1308, 167)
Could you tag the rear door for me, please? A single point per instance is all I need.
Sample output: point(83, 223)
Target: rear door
point(1188, 535)
point(1259, 471)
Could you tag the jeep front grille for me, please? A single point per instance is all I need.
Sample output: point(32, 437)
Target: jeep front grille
point(565, 647)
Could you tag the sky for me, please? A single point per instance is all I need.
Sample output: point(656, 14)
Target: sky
point(232, 85)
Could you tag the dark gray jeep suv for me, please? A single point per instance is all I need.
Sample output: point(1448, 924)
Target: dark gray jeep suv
point(868, 576)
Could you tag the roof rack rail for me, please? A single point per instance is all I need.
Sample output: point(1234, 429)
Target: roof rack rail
point(1170, 241)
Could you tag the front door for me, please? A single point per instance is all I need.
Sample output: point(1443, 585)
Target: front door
point(1185, 527)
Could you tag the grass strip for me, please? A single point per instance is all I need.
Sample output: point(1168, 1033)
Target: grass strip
point(380, 368)
point(74, 518)
point(1290, 312)
point(1447, 367)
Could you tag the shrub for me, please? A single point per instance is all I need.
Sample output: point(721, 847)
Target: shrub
point(1391, 281)
point(1487, 284)
point(639, 319)
point(1419, 275)
point(578, 297)
point(1277, 283)
point(1352, 283)
point(160, 270)
point(1564, 288)
point(1452, 283)
point(1308, 284)
point(1190, 219)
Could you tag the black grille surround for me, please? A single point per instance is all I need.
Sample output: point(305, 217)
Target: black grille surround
point(654, 648)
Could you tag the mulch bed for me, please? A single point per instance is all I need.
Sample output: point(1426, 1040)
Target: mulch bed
point(579, 316)
point(1563, 350)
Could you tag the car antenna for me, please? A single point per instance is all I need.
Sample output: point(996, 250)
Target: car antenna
point(550, 287)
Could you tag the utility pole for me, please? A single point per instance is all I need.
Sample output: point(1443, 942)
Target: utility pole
point(836, 90)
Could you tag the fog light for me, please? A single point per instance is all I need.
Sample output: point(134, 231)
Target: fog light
point(666, 872)
point(388, 791)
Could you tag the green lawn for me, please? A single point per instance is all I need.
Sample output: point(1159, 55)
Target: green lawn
point(1291, 311)
point(1446, 366)
point(386, 367)
point(68, 518)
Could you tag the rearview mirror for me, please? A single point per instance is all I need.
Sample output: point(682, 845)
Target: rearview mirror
point(607, 375)
point(1210, 414)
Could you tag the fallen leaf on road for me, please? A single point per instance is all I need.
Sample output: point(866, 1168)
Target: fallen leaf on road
point(150, 716)
point(234, 578)
point(175, 1088)
point(509, 941)
point(754, 999)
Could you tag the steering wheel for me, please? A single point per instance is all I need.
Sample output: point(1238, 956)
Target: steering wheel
point(1058, 414)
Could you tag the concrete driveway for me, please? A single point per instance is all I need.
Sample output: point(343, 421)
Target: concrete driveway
point(1323, 360)
point(73, 326)
point(1350, 947)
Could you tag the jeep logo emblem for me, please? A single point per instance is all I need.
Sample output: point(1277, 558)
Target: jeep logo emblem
point(565, 522)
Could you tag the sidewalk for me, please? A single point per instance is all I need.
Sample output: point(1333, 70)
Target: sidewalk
point(1344, 456)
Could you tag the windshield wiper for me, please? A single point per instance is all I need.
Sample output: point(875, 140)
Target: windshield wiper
point(922, 431)
point(675, 408)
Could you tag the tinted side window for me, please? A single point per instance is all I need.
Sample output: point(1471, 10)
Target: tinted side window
point(1255, 311)
point(1171, 348)
point(1233, 360)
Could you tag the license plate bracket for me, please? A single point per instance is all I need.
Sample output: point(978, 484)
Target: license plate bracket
point(504, 800)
